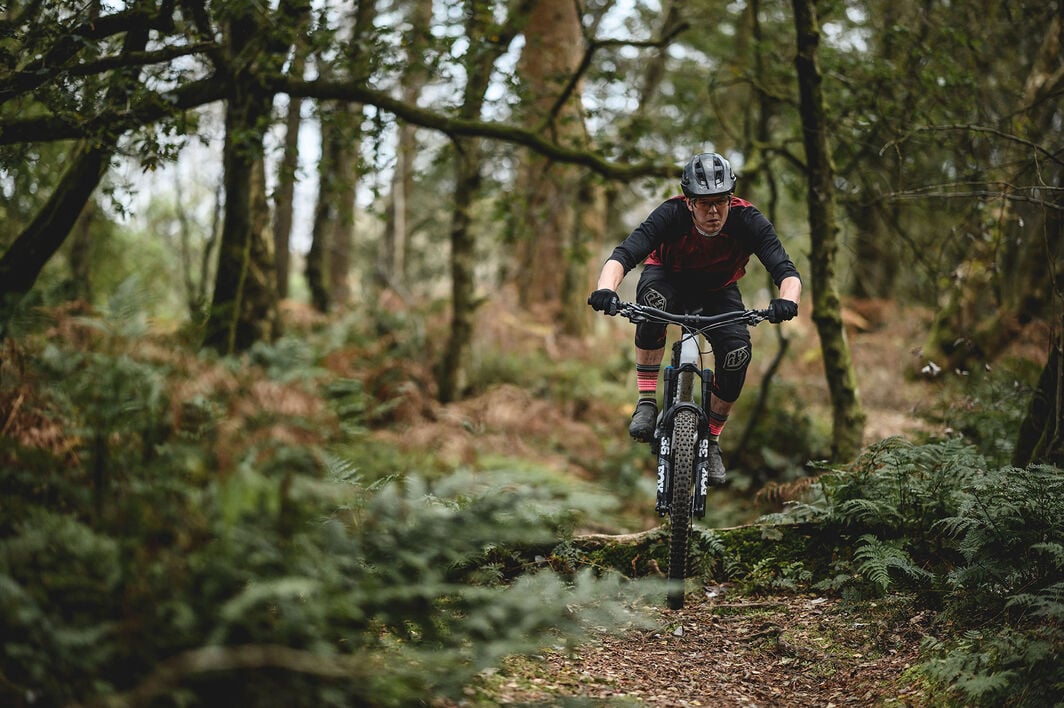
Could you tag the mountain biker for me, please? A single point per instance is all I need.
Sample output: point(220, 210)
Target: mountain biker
point(695, 248)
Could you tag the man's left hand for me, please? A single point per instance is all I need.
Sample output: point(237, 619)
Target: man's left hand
point(782, 309)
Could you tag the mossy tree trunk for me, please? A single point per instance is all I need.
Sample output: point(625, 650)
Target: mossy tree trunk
point(490, 41)
point(244, 309)
point(453, 369)
point(848, 417)
point(1041, 436)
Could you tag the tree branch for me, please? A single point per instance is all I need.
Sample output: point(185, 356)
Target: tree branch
point(46, 129)
point(70, 43)
point(973, 129)
point(159, 106)
point(132, 59)
point(593, 45)
point(459, 128)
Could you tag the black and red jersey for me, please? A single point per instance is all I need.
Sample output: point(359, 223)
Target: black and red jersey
point(668, 237)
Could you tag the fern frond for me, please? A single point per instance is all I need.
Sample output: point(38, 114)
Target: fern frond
point(1054, 550)
point(1047, 602)
point(868, 511)
point(878, 558)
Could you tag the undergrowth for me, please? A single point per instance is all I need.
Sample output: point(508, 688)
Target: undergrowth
point(983, 545)
point(183, 529)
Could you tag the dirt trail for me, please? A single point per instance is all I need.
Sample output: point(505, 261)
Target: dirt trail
point(719, 651)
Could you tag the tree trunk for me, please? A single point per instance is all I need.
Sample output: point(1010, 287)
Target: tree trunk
point(848, 417)
point(343, 227)
point(551, 241)
point(876, 261)
point(451, 377)
point(22, 263)
point(328, 266)
point(489, 42)
point(81, 254)
point(1041, 436)
point(284, 195)
point(393, 259)
point(316, 265)
point(244, 307)
point(877, 256)
point(1013, 275)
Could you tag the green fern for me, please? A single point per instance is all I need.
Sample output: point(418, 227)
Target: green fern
point(876, 560)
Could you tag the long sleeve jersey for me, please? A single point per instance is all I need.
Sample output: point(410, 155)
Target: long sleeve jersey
point(668, 237)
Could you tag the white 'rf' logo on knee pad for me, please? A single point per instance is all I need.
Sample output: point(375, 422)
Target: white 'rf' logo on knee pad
point(653, 298)
point(737, 359)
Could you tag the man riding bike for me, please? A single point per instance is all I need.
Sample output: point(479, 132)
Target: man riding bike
point(695, 248)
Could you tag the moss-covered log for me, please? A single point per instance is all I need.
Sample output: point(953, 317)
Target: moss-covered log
point(716, 554)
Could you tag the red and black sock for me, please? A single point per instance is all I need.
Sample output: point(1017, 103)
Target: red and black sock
point(646, 381)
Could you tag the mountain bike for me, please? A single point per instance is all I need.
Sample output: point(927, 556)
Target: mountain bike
point(681, 436)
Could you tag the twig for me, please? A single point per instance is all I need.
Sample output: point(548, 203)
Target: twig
point(11, 415)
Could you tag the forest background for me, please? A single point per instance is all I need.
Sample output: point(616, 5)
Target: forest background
point(220, 404)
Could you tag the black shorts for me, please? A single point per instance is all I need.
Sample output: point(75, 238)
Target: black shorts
point(682, 292)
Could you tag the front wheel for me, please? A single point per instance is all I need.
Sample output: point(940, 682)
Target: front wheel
point(684, 444)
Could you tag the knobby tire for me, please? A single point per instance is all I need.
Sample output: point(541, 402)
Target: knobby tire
point(684, 444)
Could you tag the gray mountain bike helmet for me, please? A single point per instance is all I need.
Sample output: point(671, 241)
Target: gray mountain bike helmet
point(706, 175)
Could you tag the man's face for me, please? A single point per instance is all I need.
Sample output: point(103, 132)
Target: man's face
point(710, 212)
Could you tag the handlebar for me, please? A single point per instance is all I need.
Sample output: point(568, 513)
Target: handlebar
point(636, 313)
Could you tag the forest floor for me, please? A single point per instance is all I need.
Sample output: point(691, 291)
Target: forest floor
point(785, 650)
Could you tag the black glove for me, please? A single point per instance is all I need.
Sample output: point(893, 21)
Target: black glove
point(781, 309)
point(605, 300)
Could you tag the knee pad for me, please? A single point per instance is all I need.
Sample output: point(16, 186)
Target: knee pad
point(730, 374)
point(651, 335)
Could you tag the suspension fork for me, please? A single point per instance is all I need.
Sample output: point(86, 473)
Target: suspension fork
point(683, 361)
point(702, 454)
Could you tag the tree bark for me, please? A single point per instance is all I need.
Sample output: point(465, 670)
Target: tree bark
point(848, 417)
point(342, 240)
point(284, 194)
point(80, 254)
point(244, 307)
point(315, 269)
point(551, 241)
point(1041, 435)
point(22, 263)
point(453, 369)
point(328, 267)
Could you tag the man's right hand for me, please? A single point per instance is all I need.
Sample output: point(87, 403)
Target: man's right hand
point(605, 300)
